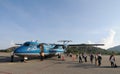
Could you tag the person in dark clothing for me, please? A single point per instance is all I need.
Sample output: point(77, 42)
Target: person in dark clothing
point(80, 58)
point(59, 56)
point(91, 58)
point(41, 57)
point(99, 59)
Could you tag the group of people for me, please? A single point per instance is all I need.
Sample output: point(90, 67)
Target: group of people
point(97, 58)
point(82, 56)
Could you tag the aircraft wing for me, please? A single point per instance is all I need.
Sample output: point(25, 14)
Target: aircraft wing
point(80, 45)
point(86, 45)
point(18, 44)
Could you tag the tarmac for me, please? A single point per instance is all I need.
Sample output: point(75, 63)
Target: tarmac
point(55, 66)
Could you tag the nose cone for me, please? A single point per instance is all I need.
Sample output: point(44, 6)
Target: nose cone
point(20, 50)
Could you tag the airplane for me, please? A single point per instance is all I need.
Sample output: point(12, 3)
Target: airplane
point(34, 48)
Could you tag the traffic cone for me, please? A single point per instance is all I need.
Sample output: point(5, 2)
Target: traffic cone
point(62, 58)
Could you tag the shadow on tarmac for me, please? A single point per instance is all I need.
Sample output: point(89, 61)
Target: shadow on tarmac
point(109, 67)
point(6, 59)
point(83, 65)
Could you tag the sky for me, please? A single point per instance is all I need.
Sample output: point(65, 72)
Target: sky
point(82, 21)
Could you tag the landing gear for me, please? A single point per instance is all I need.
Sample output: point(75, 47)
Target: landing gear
point(24, 59)
point(12, 56)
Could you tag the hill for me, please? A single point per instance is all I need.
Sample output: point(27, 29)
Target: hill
point(88, 50)
point(9, 49)
point(115, 49)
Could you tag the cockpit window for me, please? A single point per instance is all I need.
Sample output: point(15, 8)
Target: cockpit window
point(27, 44)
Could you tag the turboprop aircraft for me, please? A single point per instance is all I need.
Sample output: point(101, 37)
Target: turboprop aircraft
point(34, 48)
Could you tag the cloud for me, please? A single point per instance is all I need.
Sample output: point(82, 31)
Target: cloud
point(109, 41)
point(90, 42)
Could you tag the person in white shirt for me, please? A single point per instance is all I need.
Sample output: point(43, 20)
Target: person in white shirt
point(112, 60)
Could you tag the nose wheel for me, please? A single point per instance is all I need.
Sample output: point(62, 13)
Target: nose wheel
point(23, 59)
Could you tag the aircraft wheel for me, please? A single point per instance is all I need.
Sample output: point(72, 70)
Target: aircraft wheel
point(22, 59)
point(12, 58)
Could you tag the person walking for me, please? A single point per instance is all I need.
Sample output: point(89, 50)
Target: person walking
point(112, 61)
point(80, 58)
point(85, 57)
point(91, 58)
point(96, 59)
point(99, 59)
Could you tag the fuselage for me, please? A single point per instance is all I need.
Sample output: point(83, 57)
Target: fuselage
point(33, 49)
